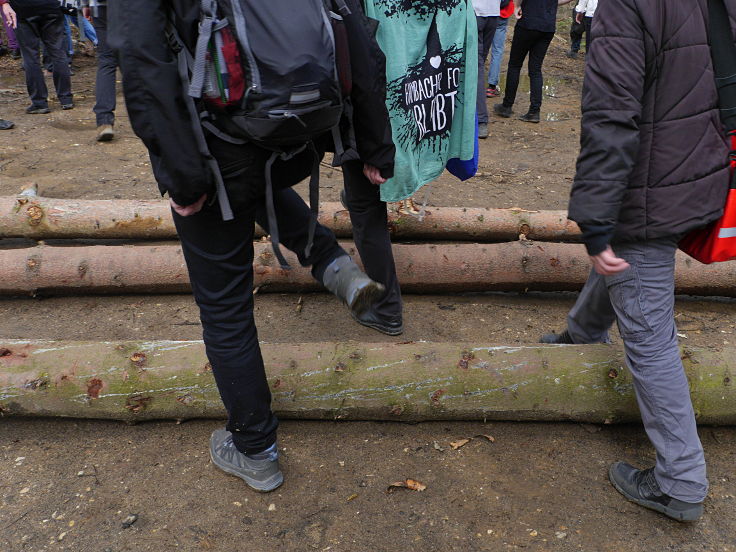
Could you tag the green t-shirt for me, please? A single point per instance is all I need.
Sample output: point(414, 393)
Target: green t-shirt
point(431, 49)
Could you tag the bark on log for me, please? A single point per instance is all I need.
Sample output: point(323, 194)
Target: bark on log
point(422, 268)
point(136, 381)
point(46, 218)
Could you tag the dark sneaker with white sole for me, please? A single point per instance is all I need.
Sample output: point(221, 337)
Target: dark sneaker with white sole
point(641, 487)
point(503, 111)
point(387, 326)
point(351, 285)
point(261, 472)
point(562, 338)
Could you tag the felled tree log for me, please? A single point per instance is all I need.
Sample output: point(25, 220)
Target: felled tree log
point(421, 268)
point(45, 218)
point(405, 381)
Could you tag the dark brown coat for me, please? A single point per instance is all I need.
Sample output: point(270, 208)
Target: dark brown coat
point(653, 157)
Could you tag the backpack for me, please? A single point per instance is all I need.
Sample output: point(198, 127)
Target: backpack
point(270, 73)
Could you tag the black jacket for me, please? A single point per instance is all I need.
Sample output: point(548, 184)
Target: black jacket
point(653, 156)
point(155, 97)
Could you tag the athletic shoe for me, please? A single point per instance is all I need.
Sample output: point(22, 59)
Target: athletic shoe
point(35, 110)
point(351, 285)
point(387, 326)
point(530, 117)
point(572, 54)
point(6, 125)
point(641, 487)
point(503, 111)
point(67, 106)
point(562, 338)
point(261, 472)
point(492, 92)
point(15, 54)
point(482, 130)
point(105, 133)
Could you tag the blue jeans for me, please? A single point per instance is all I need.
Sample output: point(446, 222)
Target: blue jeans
point(497, 48)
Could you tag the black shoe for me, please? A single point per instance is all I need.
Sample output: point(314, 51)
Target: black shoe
point(35, 110)
point(640, 486)
point(351, 285)
point(572, 54)
point(6, 125)
point(15, 54)
point(503, 111)
point(371, 320)
point(3, 50)
point(482, 131)
point(530, 117)
point(67, 106)
point(562, 338)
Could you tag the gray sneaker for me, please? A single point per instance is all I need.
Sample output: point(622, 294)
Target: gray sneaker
point(351, 285)
point(260, 471)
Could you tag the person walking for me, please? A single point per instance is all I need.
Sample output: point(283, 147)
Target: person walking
point(107, 64)
point(219, 253)
point(13, 47)
point(634, 195)
point(42, 21)
point(584, 12)
point(487, 14)
point(498, 47)
point(537, 20)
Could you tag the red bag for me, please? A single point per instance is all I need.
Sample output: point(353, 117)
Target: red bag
point(717, 241)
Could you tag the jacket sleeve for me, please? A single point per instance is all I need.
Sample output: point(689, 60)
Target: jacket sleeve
point(154, 97)
point(370, 116)
point(613, 90)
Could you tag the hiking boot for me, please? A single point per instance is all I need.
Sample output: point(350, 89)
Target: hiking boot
point(261, 471)
point(641, 486)
point(351, 285)
point(503, 111)
point(559, 339)
point(35, 110)
point(493, 92)
point(482, 131)
point(105, 133)
point(530, 117)
point(6, 125)
point(67, 106)
point(572, 54)
point(384, 325)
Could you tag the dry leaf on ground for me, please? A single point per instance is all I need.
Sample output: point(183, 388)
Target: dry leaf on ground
point(459, 443)
point(411, 484)
point(491, 438)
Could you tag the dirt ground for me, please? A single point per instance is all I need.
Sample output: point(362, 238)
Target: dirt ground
point(71, 484)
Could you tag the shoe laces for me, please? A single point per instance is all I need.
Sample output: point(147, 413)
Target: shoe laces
point(648, 486)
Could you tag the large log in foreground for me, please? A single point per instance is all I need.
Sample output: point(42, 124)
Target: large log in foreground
point(135, 381)
point(45, 218)
point(422, 268)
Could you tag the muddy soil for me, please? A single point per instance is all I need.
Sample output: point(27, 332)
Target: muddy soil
point(70, 485)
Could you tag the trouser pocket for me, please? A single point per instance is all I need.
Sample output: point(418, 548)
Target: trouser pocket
point(624, 290)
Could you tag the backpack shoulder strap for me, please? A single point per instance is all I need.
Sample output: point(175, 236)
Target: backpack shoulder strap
point(723, 53)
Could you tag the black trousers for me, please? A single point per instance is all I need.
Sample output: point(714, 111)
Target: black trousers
point(372, 238)
point(535, 44)
point(219, 256)
point(576, 32)
point(107, 64)
point(49, 30)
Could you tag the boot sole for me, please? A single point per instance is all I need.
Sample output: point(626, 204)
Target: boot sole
point(365, 298)
point(683, 517)
point(270, 484)
point(378, 327)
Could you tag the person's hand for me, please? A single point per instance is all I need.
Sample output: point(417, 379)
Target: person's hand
point(87, 13)
point(517, 12)
point(373, 174)
point(578, 17)
point(189, 210)
point(10, 16)
point(606, 263)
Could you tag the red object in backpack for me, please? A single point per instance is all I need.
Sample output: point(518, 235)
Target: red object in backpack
point(717, 241)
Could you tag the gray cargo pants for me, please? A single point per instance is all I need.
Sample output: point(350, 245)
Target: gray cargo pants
point(641, 299)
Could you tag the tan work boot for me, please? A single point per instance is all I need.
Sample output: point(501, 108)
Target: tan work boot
point(105, 133)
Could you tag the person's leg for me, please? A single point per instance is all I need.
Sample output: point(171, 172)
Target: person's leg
point(576, 34)
point(52, 34)
point(486, 30)
point(90, 32)
point(592, 315)
point(497, 48)
point(643, 298)
point(219, 257)
point(537, 52)
point(520, 44)
point(69, 42)
point(372, 238)
point(28, 35)
point(107, 64)
point(12, 41)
